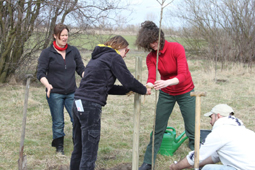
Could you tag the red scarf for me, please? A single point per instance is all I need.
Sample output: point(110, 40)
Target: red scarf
point(59, 48)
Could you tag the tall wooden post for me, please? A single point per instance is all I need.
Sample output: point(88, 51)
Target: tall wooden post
point(197, 126)
point(137, 113)
point(22, 158)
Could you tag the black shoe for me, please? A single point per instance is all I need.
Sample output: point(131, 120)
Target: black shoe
point(145, 166)
point(60, 150)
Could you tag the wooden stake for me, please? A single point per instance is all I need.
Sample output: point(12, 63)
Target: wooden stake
point(197, 126)
point(22, 158)
point(137, 113)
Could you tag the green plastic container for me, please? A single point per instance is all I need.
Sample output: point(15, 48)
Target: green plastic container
point(170, 143)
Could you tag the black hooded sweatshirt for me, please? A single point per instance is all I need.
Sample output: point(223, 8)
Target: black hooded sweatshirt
point(100, 75)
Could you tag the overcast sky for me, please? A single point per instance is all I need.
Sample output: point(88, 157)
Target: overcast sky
point(148, 9)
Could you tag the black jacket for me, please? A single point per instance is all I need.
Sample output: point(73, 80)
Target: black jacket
point(100, 75)
point(59, 72)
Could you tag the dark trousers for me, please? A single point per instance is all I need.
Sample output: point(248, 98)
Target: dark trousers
point(86, 135)
point(164, 109)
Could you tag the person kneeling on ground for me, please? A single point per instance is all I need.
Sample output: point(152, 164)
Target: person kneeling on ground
point(229, 142)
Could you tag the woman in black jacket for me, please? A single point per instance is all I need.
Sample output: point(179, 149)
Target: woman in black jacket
point(105, 66)
point(56, 71)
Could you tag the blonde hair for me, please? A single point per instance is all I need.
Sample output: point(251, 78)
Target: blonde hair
point(117, 42)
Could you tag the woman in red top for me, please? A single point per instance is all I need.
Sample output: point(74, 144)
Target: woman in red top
point(175, 85)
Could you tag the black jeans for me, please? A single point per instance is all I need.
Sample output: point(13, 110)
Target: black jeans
point(86, 136)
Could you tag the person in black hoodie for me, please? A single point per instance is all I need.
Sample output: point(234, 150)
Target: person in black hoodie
point(105, 66)
point(56, 71)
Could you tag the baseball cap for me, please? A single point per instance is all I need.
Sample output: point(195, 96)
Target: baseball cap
point(222, 109)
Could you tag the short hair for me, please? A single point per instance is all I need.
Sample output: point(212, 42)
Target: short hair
point(149, 33)
point(117, 42)
point(58, 29)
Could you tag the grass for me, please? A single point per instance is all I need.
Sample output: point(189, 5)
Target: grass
point(115, 148)
point(88, 42)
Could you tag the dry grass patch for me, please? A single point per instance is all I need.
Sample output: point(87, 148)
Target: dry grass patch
point(115, 148)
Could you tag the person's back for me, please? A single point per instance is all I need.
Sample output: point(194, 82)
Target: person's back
point(229, 143)
point(98, 78)
point(105, 66)
point(100, 75)
point(235, 143)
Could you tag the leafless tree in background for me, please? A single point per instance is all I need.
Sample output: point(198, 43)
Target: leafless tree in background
point(26, 26)
point(221, 30)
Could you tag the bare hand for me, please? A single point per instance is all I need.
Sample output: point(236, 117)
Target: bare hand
point(130, 93)
point(148, 91)
point(149, 85)
point(172, 167)
point(49, 87)
point(160, 84)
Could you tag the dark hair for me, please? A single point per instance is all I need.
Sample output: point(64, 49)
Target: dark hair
point(58, 29)
point(117, 42)
point(147, 34)
point(232, 113)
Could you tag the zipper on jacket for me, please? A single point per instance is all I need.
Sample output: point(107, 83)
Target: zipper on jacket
point(65, 72)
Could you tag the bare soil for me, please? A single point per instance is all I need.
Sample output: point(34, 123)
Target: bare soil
point(123, 166)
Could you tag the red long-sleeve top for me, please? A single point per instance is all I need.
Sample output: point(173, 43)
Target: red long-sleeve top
point(172, 63)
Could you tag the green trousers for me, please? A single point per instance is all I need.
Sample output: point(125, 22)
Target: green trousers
point(164, 109)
